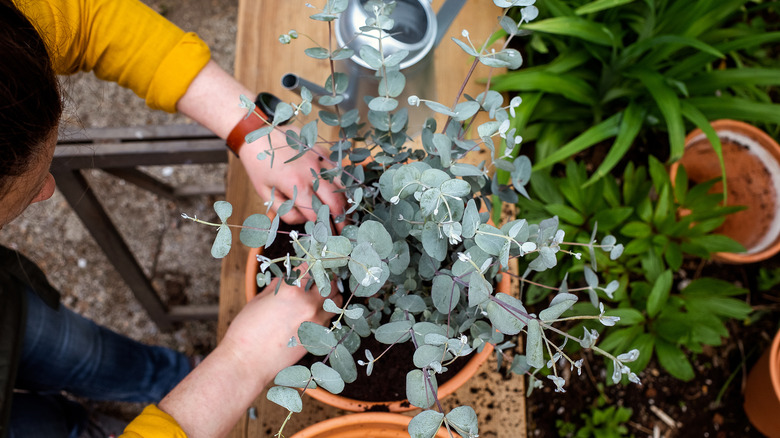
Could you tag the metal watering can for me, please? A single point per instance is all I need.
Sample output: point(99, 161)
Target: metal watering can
point(417, 29)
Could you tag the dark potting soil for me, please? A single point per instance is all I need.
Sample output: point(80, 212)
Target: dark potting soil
point(710, 405)
point(388, 379)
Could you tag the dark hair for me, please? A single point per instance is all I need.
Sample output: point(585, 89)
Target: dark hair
point(30, 104)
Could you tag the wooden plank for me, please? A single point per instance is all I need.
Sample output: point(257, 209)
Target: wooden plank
point(260, 64)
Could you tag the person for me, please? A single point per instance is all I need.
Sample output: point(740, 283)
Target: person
point(45, 348)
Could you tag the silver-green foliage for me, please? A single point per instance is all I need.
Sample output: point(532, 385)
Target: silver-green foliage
point(417, 259)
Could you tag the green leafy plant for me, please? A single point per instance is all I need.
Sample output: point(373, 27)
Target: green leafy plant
point(618, 73)
point(418, 258)
point(599, 422)
point(661, 313)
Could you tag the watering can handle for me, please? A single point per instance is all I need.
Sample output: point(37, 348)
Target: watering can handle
point(444, 18)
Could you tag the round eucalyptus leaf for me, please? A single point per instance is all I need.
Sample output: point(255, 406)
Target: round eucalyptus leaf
point(393, 332)
point(330, 100)
point(372, 56)
point(383, 103)
point(223, 209)
point(328, 378)
point(272, 231)
point(559, 304)
point(456, 187)
point(421, 388)
point(258, 134)
point(533, 344)
point(396, 58)
point(282, 113)
point(509, 317)
point(317, 52)
point(424, 355)
point(445, 293)
point(371, 290)
point(254, 232)
point(465, 110)
point(379, 120)
point(344, 364)
point(425, 424)
point(490, 239)
point(411, 303)
point(375, 234)
point(399, 260)
point(362, 258)
point(464, 419)
point(295, 376)
point(287, 398)
point(430, 201)
point(479, 290)
point(471, 220)
point(330, 306)
point(434, 177)
point(439, 108)
point(222, 242)
point(434, 244)
point(393, 84)
point(316, 339)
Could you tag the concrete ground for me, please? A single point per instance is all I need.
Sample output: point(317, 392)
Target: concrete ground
point(174, 252)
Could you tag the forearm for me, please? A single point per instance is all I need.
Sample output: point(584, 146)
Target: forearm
point(212, 398)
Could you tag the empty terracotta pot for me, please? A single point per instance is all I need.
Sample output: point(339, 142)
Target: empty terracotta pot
point(752, 161)
point(762, 392)
point(365, 425)
point(353, 405)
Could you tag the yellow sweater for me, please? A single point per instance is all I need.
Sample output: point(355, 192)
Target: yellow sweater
point(126, 42)
point(122, 41)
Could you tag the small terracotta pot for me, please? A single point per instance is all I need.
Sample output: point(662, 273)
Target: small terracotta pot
point(348, 404)
point(752, 160)
point(365, 425)
point(762, 392)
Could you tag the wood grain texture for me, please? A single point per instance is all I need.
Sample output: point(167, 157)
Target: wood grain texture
point(260, 63)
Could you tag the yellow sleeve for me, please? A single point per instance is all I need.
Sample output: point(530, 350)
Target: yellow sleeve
point(123, 41)
point(153, 423)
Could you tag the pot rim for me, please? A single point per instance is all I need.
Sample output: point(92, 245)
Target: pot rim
point(349, 404)
point(365, 419)
point(771, 146)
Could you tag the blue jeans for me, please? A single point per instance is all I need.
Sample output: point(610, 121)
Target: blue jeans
point(65, 352)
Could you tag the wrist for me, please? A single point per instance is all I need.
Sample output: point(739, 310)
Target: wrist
point(261, 116)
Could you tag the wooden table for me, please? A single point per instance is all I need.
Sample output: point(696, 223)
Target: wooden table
point(260, 63)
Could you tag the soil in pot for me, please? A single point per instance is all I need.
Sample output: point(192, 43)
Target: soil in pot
point(388, 380)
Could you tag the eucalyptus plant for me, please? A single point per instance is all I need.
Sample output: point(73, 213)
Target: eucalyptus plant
point(418, 257)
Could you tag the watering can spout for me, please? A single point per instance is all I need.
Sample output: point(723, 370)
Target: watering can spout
point(293, 82)
point(444, 18)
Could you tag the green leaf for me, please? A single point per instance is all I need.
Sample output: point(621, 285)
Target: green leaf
point(254, 232)
point(393, 332)
point(287, 398)
point(673, 360)
point(479, 290)
point(669, 105)
point(316, 339)
point(575, 27)
point(444, 293)
point(567, 85)
point(377, 236)
point(434, 245)
point(599, 5)
point(223, 209)
point(295, 376)
point(604, 130)
point(327, 378)
point(660, 293)
point(393, 84)
point(424, 355)
point(382, 104)
point(464, 419)
point(222, 242)
point(425, 424)
point(533, 345)
point(506, 321)
point(421, 389)
point(343, 363)
point(628, 316)
point(630, 125)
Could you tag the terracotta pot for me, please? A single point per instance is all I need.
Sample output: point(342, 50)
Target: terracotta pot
point(762, 393)
point(348, 404)
point(365, 425)
point(752, 160)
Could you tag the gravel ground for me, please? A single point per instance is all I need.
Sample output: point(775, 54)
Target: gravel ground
point(173, 252)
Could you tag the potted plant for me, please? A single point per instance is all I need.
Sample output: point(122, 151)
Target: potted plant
point(417, 261)
point(751, 159)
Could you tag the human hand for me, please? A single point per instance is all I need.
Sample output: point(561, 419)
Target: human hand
point(285, 177)
point(261, 331)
